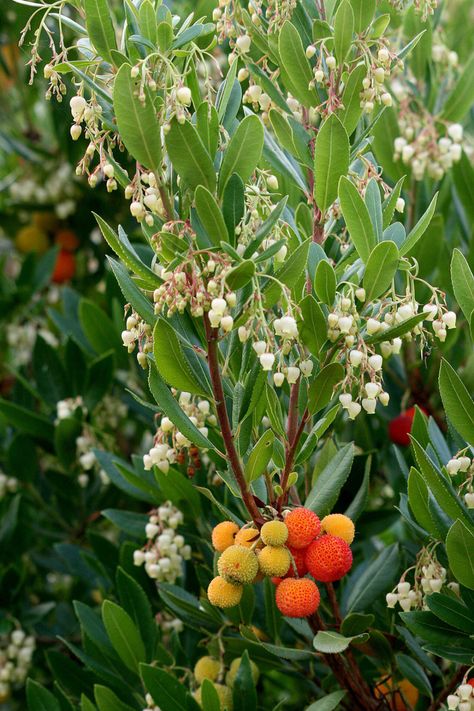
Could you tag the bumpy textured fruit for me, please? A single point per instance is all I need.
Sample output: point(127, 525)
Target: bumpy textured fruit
point(274, 560)
point(238, 564)
point(299, 558)
point(401, 695)
point(224, 594)
point(224, 694)
point(339, 525)
point(223, 535)
point(400, 427)
point(246, 537)
point(297, 597)
point(207, 668)
point(328, 558)
point(274, 533)
point(234, 668)
point(64, 268)
point(303, 527)
point(31, 239)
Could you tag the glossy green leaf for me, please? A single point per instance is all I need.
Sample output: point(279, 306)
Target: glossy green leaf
point(419, 229)
point(461, 98)
point(123, 634)
point(330, 642)
point(390, 203)
point(210, 215)
point(452, 611)
point(243, 152)
point(170, 359)
point(325, 282)
point(364, 11)
point(457, 401)
point(132, 294)
point(295, 66)
point(189, 157)
point(418, 498)
point(331, 158)
point(259, 456)
point(99, 27)
point(396, 331)
point(137, 122)
point(380, 269)
point(463, 175)
point(321, 390)
point(312, 327)
point(411, 670)
point(106, 700)
point(289, 273)
point(39, 698)
point(343, 30)
point(378, 577)
point(351, 110)
point(356, 623)
point(244, 693)
point(327, 703)
point(164, 688)
point(460, 550)
point(327, 488)
point(462, 280)
point(239, 276)
point(357, 218)
point(148, 24)
point(374, 205)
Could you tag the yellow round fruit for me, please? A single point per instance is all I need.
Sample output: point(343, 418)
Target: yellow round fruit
point(31, 239)
point(246, 537)
point(207, 668)
point(223, 535)
point(224, 694)
point(274, 561)
point(223, 594)
point(234, 668)
point(238, 564)
point(274, 533)
point(340, 526)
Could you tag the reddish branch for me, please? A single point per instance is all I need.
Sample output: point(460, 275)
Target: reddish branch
point(294, 432)
point(227, 436)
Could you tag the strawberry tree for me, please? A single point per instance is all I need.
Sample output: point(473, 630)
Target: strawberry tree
point(271, 160)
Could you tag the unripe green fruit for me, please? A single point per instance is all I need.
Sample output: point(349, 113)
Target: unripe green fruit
point(224, 694)
point(234, 668)
point(207, 668)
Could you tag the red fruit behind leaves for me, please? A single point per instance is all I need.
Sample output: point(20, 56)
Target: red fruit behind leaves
point(328, 558)
point(400, 427)
point(64, 268)
point(471, 682)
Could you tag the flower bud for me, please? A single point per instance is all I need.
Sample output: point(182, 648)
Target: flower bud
point(331, 62)
point(373, 326)
point(369, 405)
point(75, 131)
point(372, 390)
point(310, 51)
point(278, 379)
point(267, 360)
point(391, 599)
point(345, 399)
point(449, 319)
point(353, 409)
point(243, 43)
point(184, 95)
point(356, 358)
point(360, 294)
point(293, 373)
point(306, 367)
point(375, 362)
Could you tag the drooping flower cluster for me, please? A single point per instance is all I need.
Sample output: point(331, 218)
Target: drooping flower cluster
point(137, 333)
point(16, 653)
point(165, 550)
point(463, 697)
point(461, 469)
point(429, 578)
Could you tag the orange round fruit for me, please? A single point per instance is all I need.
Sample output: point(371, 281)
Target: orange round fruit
point(223, 535)
point(67, 239)
point(297, 597)
point(223, 594)
point(64, 268)
point(328, 558)
point(303, 527)
point(246, 537)
point(339, 525)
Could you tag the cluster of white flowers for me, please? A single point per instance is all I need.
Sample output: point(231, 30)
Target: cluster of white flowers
point(16, 652)
point(462, 464)
point(421, 147)
point(463, 697)
point(21, 338)
point(444, 56)
point(168, 440)
point(373, 86)
point(254, 95)
point(8, 484)
point(430, 577)
point(66, 408)
point(165, 550)
point(145, 197)
point(55, 186)
point(138, 332)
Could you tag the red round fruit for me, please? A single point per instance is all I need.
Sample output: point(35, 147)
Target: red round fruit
point(328, 558)
point(303, 527)
point(64, 268)
point(299, 556)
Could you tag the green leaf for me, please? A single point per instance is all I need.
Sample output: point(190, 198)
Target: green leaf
point(356, 623)
point(452, 611)
point(207, 125)
point(123, 634)
point(189, 157)
point(331, 159)
point(419, 229)
point(374, 206)
point(243, 152)
point(210, 215)
point(460, 550)
point(411, 670)
point(321, 390)
point(325, 282)
point(351, 110)
point(460, 99)
point(209, 698)
point(325, 492)
point(395, 331)
point(463, 175)
point(364, 11)
point(259, 456)
point(244, 693)
point(418, 498)
point(99, 27)
point(390, 203)
point(295, 67)
point(132, 294)
point(343, 30)
point(164, 688)
point(100, 330)
point(380, 269)
point(49, 372)
point(170, 360)
point(233, 203)
point(327, 703)
point(66, 432)
point(170, 407)
point(135, 601)
point(385, 132)
point(359, 502)
point(329, 642)
point(377, 578)
point(137, 122)
point(27, 421)
point(106, 700)
point(124, 249)
point(438, 485)
point(462, 280)
point(457, 402)
point(289, 273)
point(312, 327)
point(148, 24)
point(357, 218)
point(429, 627)
point(39, 698)
point(239, 276)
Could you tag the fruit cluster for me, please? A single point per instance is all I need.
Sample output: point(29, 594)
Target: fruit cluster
point(214, 670)
point(284, 550)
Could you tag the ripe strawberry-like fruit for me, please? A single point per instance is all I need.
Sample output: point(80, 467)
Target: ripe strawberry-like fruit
point(64, 268)
point(246, 537)
point(339, 525)
point(400, 427)
point(224, 594)
point(207, 668)
point(274, 533)
point(238, 564)
point(223, 535)
point(299, 558)
point(297, 597)
point(223, 692)
point(303, 527)
point(274, 560)
point(328, 558)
